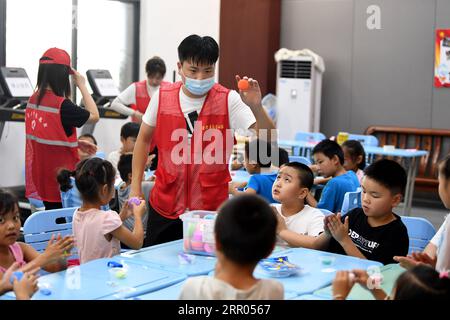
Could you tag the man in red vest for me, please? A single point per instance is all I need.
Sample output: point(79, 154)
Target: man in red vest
point(134, 100)
point(191, 122)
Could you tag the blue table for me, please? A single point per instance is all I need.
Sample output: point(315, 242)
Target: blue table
point(314, 274)
point(165, 256)
point(92, 281)
point(390, 274)
point(297, 147)
point(168, 293)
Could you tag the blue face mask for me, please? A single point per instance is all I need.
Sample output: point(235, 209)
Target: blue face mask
point(199, 87)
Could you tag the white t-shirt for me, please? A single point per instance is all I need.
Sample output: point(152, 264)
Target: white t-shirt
point(308, 222)
point(241, 117)
point(437, 239)
point(127, 97)
point(114, 158)
point(209, 288)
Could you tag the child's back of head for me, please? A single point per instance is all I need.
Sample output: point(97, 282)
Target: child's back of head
point(389, 174)
point(124, 166)
point(245, 229)
point(129, 129)
point(94, 179)
point(423, 283)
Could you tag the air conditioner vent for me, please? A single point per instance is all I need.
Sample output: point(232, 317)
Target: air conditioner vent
point(295, 69)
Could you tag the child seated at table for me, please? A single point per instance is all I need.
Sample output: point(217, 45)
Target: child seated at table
point(354, 157)
point(298, 223)
point(420, 283)
point(329, 158)
point(372, 232)
point(98, 233)
point(51, 260)
point(245, 231)
point(439, 245)
point(258, 162)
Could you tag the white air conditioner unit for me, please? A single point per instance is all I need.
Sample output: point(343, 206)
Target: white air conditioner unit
point(299, 88)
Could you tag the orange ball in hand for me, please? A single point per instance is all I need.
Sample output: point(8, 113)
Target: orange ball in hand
point(243, 84)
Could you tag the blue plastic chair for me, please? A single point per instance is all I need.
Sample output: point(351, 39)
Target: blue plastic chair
point(40, 226)
point(326, 212)
point(366, 140)
point(309, 137)
point(351, 200)
point(300, 159)
point(420, 232)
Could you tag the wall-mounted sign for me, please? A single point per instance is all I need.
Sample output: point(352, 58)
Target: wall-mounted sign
point(442, 59)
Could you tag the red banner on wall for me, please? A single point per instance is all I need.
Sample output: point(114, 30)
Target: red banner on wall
point(442, 59)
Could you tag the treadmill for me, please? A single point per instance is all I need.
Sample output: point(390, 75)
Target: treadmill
point(104, 91)
point(15, 90)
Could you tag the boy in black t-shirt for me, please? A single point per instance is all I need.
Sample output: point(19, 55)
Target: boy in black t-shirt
point(372, 232)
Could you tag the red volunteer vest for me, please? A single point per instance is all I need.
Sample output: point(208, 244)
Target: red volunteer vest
point(142, 97)
point(47, 147)
point(191, 176)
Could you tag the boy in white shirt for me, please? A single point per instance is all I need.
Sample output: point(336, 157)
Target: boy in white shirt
point(298, 223)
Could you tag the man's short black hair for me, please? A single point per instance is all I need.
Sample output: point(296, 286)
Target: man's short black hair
point(155, 66)
point(245, 228)
point(389, 174)
point(129, 129)
point(124, 166)
point(330, 149)
point(198, 50)
point(261, 149)
point(305, 174)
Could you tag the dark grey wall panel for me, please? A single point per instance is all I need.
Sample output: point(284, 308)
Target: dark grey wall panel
point(441, 96)
point(393, 67)
point(326, 27)
point(382, 77)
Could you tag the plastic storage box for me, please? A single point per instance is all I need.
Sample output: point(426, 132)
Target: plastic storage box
point(198, 232)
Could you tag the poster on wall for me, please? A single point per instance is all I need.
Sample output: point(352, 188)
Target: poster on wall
point(442, 59)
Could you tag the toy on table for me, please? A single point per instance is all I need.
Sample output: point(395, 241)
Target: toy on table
point(16, 275)
point(279, 267)
point(243, 84)
point(184, 258)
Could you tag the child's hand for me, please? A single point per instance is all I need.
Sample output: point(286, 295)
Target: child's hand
point(58, 247)
point(338, 230)
point(281, 224)
point(5, 284)
point(251, 96)
point(27, 286)
point(415, 259)
point(139, 210)
point(127, 211)
point(361, 277)
point(342, 285)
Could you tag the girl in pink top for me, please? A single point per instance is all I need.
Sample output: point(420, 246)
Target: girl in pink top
point(354, 157)
point(21, 255)
point(98, 233)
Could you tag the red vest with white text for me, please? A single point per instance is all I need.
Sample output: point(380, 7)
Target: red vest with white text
point(191, 175)
point(48, 148)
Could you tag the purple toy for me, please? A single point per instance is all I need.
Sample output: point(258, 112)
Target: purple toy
point(134, 201)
